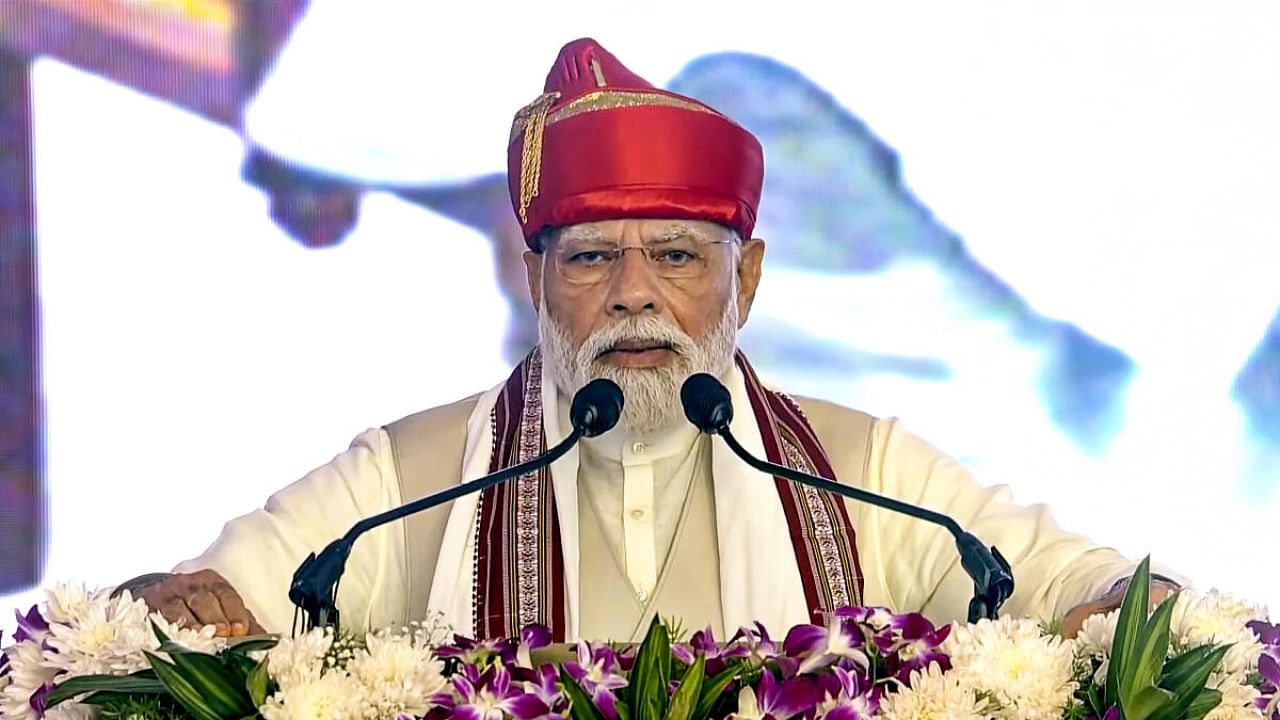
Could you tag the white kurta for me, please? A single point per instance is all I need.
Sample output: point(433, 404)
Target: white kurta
point(907, 564)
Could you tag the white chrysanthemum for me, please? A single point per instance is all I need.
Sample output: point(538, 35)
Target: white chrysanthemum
point(1237, 699)
point(299, 660)
point(71, 711)
point(1217, 618)
point(399, 673)
point(1097, 633)
point(64, 602)
point(331, 696)
point(933, 695)
point(1094, 642)
point(1026, 673)
point(96, 633)
point(27, 674)
point(202, 640)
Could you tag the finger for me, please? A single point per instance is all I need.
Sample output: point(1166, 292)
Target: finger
point(208, 611)
point(238, 616)
point(176, 611)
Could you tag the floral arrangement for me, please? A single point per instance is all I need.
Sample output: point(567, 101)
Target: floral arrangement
point(86, 653)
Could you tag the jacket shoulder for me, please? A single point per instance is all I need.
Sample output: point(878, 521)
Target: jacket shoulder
point(437, 418)
point(829, 411)
point(845, 435)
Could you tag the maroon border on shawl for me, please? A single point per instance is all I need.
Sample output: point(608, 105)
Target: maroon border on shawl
point(774, 411)
point(495, 601)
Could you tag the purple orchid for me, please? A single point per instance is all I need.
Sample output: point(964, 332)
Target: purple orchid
point(40, 699)
point(848, 696)
point(546, 686)
point(1267, 633)
point(532, 637)
point(910, 642)
point(480, 652)
point(31, 626)
point(772, 699)
point(1269, 669)
point(599, 673)
point(704, 643)
point(752, 642)
point(842, 640)
point(875, 617)
point(488, 696)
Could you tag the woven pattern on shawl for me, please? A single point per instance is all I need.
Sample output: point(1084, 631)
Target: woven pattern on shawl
point(822, 535)
point(519, 574)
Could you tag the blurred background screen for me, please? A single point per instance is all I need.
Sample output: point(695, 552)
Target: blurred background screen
point(236, 233)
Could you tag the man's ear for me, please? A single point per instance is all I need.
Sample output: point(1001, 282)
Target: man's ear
point(749, 266)
point(533, 273)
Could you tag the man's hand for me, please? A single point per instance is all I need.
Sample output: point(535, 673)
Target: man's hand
point(1075, 617)
point(196, 599)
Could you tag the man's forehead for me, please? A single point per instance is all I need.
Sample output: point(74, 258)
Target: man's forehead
point(650, 230)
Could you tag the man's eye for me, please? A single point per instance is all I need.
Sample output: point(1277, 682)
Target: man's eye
point(588, 257)
point(676, 256)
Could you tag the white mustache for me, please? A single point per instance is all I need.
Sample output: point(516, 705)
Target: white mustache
point(635, 330)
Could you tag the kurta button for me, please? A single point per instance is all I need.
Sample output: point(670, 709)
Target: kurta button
point(637, 514)
point(638, 448)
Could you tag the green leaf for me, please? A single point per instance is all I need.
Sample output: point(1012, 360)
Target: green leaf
point(1129, 626)
point(580, 705)
point(1151, 650)
point(135, 683)
point(1177, 670)
point(258, 684)
point(253, 643)
point(1095, 700)
point(1145, 703)
point(128, 706)
point(160, 636)
point(238, 665)
point(650, 674)
point(685, 701)
point(1191, 686)
point(173, 648)
point(103, 698)
point(713, 689)
point(182, 690)
point(224, 691)
point(1203, 704)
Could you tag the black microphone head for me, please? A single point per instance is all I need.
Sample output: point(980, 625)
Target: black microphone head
point(596, 407)
point(706, 403)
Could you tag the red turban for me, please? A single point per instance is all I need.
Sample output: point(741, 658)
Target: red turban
point(601, 143)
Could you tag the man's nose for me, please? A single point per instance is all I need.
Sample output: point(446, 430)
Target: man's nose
point(633, 289)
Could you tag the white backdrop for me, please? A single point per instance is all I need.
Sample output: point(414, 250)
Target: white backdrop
point(196, 359)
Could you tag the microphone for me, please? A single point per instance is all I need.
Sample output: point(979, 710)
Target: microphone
point(596, 408)
point(314, 588)
point(708, 406)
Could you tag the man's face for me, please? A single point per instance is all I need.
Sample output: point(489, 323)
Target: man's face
point(644, 318)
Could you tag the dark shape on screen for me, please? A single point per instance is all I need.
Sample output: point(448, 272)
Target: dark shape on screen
point(834, 202)
point(1257, 390)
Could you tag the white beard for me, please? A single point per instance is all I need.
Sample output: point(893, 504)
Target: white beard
point(651, 395)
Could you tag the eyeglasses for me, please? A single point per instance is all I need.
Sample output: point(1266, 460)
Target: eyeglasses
point(587, 263)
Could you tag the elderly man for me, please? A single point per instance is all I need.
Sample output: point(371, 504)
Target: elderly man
point(637, 206)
